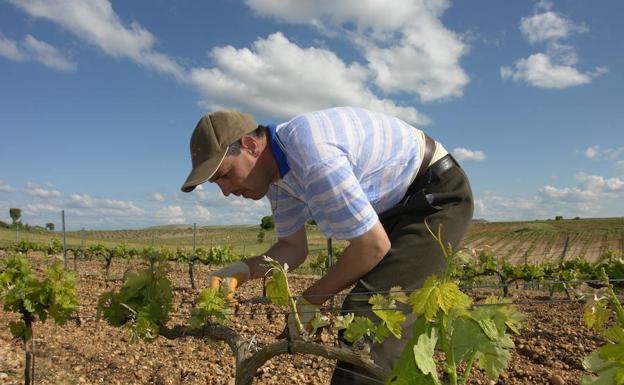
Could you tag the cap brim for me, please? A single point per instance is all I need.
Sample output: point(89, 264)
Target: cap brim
point(203, 172)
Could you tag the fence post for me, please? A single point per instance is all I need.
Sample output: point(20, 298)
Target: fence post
point(330, 263)
point(192, 259)
point(64, 240)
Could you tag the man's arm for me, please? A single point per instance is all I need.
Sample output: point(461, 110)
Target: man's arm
point(292, 250)
point(360, 257)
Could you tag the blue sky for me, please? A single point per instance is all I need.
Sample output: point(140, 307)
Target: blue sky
point(98, 98)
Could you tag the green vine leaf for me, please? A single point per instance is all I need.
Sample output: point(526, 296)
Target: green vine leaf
point(360, 327)
point(435, 296)
point(423, 354)
point(212, 304)
point(277, 285)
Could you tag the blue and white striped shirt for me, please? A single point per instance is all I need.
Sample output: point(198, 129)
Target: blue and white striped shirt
point(346, 166)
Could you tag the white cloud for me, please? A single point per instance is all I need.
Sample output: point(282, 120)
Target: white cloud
point(47, 54)
point(171, 214)
point(4, 187)
point(592, 151)
point(10, 50)
point(548, 26)
point(590, 188)
point(612, 154)
point(43, 193)
point(593, 195)
point(96, 22)
point(36, 50)
point(103, 205)
point(538, 70)
point(202, 212)
point(158, 197)
point(465, 154)
point(554, 69)
point(35, 209)
point(279, 78)
point(407, 47)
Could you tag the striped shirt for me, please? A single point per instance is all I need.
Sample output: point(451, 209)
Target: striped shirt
point(346, 165)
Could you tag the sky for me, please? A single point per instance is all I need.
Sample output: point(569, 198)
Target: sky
point(98, 98)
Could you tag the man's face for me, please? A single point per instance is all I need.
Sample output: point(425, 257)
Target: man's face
point(241, 175)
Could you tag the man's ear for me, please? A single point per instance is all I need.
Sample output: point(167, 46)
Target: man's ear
point(250, 144)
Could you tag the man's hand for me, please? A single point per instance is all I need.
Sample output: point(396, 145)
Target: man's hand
point(230, 277)
point(306, 312)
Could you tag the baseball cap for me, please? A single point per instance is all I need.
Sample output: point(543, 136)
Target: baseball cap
point(211, 138)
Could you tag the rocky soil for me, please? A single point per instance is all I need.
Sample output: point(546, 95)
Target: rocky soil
point(549, 349)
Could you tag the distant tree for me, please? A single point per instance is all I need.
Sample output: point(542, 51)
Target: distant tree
point(50, 226)
point(267, 223)
point(558, 218)
point(4, 225)
point(577, 218)
point(312, 222)
point(15, 214)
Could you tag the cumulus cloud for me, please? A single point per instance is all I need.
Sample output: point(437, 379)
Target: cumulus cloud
point(5, 187)
point(281, 79)
point(592, 195)
point(158, 197)
point(35, 50)
point(548, 26)
point(592, 151)
point(277, 78)
point(556, 68)
point(96, 22)
point(201, 212)
point(538, 70)
point(465, 154)
point(171, 214)
point(610, 154)
point(36, 190)
point(103, 206)
point(407, 47)
point(589, 188)
point(210, 206)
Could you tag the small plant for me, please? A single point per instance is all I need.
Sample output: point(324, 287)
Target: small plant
point(22, 292)
point(447, 323)
point(607, 362)
point(54, 247)
point(142, 304)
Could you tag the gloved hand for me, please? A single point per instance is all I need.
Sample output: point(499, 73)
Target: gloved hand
point(307, 312)
point(228, 278)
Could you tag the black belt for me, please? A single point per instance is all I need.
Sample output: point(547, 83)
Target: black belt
point(433, 173)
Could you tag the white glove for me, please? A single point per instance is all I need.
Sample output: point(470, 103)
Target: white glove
point(228, 278)
point(306, 312)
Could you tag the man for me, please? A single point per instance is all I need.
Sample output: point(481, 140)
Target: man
point(363, 176)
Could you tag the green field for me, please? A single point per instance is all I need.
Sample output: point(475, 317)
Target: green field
point(242, 239)
point(534, 241)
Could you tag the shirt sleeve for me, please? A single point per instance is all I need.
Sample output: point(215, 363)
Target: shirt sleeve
point(336, 199)
point(289, 213)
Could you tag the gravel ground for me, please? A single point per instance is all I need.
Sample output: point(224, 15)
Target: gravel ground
point(549, 349)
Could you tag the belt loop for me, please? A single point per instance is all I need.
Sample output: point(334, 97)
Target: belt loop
point(429, 150)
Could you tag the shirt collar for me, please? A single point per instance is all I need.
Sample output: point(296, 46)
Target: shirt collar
point(277, 149)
